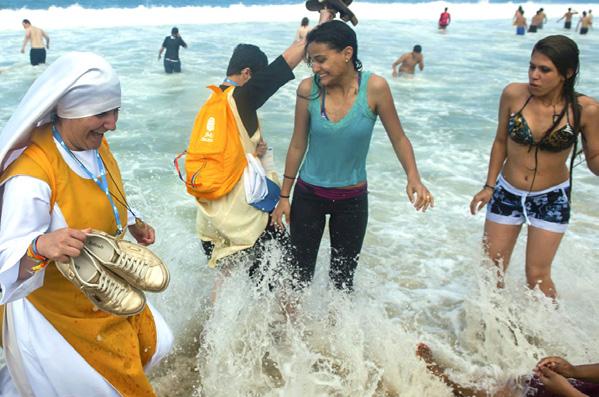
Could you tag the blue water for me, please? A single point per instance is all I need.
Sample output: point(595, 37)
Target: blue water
point(44, 4)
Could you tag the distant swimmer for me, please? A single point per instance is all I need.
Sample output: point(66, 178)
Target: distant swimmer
point(584, 23)
point(535, 22)
point(408, 61)
point(520, 22)
point(568, 18)
point(519, 11)
point(171, 43)
point(37, 54)
point(444, 19)
point(303, 29)
point(542, 17)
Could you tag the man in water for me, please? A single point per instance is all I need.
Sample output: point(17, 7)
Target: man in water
point(520, 22)
point(408, 61)
point(171, 43)
point(535, 22)
point(37, 36)
point(584, 23)
point(568, 18)
point(444, 19)
point(542, 17)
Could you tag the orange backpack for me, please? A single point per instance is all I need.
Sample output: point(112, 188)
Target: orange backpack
point(215, 158)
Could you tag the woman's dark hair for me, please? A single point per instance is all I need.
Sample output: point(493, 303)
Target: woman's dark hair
point(563, 53)
point(305, 21)
point(337, 35)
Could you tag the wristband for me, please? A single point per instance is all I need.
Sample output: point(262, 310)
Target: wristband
point(33, 254)
point(289, 177)
point(486, 185)
point(282, 196)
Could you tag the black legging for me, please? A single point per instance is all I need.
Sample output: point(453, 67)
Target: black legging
point(347, 227)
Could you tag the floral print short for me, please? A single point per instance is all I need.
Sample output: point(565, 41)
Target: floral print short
point(548, 209)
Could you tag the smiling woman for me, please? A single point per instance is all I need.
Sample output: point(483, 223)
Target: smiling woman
point(86, 133)
point(336, 111)
point(528, 179)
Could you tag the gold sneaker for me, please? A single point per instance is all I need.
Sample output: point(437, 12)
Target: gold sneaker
point(104, 289)
point(133, 262)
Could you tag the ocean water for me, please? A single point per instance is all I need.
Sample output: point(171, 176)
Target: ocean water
point(421, 277)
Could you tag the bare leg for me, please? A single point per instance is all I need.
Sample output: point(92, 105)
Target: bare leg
point(499, 243)
point(541, 248)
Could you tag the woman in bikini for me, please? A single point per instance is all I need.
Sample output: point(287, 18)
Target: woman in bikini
point(528, 179)
point(335, 113)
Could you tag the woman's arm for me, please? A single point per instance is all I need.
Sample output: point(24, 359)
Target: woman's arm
point(295, 153)
point(498, 152)
point(590, 133)
point(382, 103)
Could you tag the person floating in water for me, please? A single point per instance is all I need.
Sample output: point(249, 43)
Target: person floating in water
point(407, 62)
point(35, 35)
point(552, 377)
point(444, 20)
point(171, 43)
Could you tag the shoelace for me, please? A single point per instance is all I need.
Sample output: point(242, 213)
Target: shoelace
point(112, 289)
point(132, 265)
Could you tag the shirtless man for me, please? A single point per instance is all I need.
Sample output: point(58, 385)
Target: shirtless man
point(408, 61)
point(535, 22)
point(584, 23)
point(520, 22)
point(568, 18)
point(37, 54)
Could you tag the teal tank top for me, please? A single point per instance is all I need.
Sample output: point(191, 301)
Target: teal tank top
point(336, 155)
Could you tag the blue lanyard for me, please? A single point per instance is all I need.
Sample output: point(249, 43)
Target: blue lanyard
point(228, 80)
point(100, 180)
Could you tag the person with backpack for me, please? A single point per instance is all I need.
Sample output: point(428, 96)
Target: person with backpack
point(226, 222)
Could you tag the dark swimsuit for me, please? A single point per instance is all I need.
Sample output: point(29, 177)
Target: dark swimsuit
point(553, 141)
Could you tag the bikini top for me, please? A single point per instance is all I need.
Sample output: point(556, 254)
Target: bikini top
point(553, 141)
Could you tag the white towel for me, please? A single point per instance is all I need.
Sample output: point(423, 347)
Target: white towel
point(254, 180)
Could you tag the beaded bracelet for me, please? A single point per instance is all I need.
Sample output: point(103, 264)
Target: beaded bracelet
point(33, 254)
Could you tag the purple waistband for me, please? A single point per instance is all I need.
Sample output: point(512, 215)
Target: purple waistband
point(333, 193)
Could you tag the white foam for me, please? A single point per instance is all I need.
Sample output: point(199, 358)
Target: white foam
point(77, 17)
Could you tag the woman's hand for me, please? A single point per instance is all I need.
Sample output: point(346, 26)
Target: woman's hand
point(143, 233)
point(61, 244)
point(559, 365)
point(283, 208)
point(423, 198)
point(556, 383)
point(480, 199)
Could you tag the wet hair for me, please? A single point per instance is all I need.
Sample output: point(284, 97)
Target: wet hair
point(337, 36)
point(563, 53)
point(417, 48)
point(445, 9)
point(174, 31)
point(584, 13)
point(26, 21)
point(246, 56)
point(305, 21)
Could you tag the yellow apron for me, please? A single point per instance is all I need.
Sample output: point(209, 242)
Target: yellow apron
point(117, 348)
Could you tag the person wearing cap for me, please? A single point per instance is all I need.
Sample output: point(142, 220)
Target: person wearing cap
point(171, 43)
point(60, 180)
point(247, 227)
